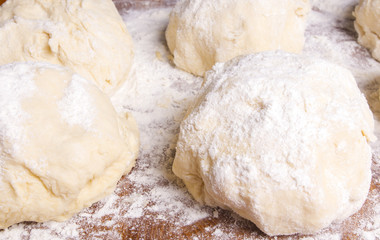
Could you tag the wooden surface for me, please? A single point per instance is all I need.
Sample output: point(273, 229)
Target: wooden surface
point(149, 226)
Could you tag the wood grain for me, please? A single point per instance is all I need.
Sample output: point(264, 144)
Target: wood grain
point(149, 226)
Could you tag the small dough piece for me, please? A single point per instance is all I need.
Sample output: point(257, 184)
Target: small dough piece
point(87, 36)
point(367, 25)
point(62, 145)
point(280, 139)
point(203, 32)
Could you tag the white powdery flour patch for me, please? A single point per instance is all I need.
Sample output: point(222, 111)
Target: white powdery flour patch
point(16, 85)
point(341, 9)
point(172, 200)
point(137, 203)
point(158, 98)
point(325, 236)
point(370, 228)
point(48, 231)
point(77, 107)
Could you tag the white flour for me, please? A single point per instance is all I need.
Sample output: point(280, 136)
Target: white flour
point(71, 111)
point(340, 8)
point(158, 96)
point(11, 94)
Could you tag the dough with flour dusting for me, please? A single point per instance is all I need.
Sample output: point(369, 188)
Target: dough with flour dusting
point(62, 145)
point(87, 36)
point(367, 25)
point(203, 32)
point(280, 139)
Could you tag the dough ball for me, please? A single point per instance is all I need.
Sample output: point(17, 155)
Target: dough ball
point(367, 25)
point(62, 145)
point(203, 32)
point(280, 139)
point(87, 36)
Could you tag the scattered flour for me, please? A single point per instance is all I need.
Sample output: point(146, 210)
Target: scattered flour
point(11, 95)
point(338, 8)
point(151, 199)
point(73, 113)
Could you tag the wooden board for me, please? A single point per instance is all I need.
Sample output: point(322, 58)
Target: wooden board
point(220, 224)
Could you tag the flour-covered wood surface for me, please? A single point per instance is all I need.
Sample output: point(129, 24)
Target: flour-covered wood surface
point(151, 202)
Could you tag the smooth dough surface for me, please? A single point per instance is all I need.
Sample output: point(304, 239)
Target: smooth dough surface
point(203, 32)
point(367, 25)
point(280, 139)
point(87, 36)
point(62, 145)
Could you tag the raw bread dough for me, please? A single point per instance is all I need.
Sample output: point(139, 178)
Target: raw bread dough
point(203, 32)
point(87, 36)
point(62, 145)
point(367, 25)
point(280, 139)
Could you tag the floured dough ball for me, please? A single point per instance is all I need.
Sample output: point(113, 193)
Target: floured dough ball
point(87, 36)
point(280, 139)
point(203, 32)
point(367, 25)
point(62, 145)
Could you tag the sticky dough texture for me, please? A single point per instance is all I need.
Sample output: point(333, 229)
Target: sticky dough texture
point(367, 25)
point(280, 139)
point(203, 32)
point(62, 145)
point(87, 36)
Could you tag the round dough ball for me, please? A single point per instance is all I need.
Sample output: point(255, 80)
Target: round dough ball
point(280, 139)
point(87, 36)
point(63, 146)
point(367, 25)
point(203, 32)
